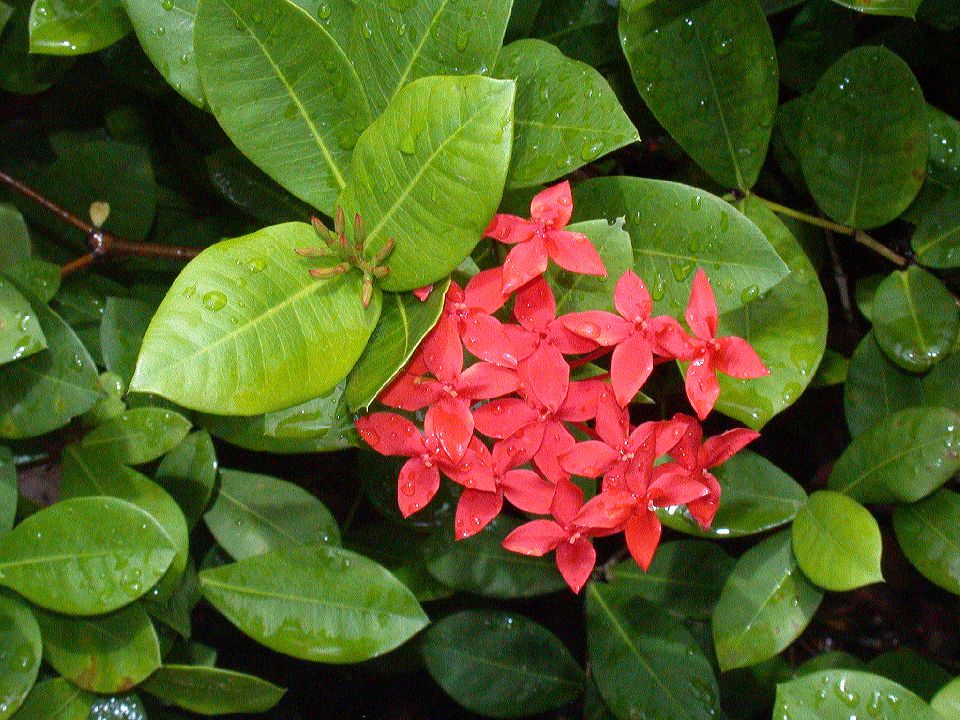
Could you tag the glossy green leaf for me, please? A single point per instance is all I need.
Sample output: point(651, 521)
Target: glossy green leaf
point(901, 459)
point(915, 319)
point(565, 115)
point(9, 490)
point(645, 662)
point(20, 70)
point(6, 12)
point(85, 555)
point(36, 279)
point(585, 30)
point(675, 229)
point(929, 535)
point(394, 44)
point(947, 701)
point(837, 542)
point(254, 514)
point(903, 8)
point(20, 332)
point(818, 35)
point(76, 27)
point(45, 391)
point(14, 235)
point(188, 473)
point(834, 369)
point(685, 577)
point(764, 606)
point(574, 292)
point(316, 603)
point(840, 694)
point(430, 172)
point(876, 388)
point(911, 670)
point(940, 386)
point(757, 496)
point(165, 31)
point(124, 323)
point(830, 660)
point(311, 419)
point(335, 15)
point(709, 74)
point(20, 653)
point(212, 691)
point(81, 301)
point(500, 665)
point(936, 240)
point(137, 436)
point(245, 329)
point(175, 611)
point(404, 322)
point(862, 143)
point(56, 699)
point(284, 91)
point(105, 654)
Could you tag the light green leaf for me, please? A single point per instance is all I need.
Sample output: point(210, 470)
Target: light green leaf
point(284, 91)
point(316, 603)
point(245, 329)
point(85, 556)
point(876, 388)
point(20, 332)
point(312, 419)
point(21, 71)
point(124, 323)
point(135, 437)
point(500, 665)
point(574, 292)
point(947, 701)
point(212, 691)
point(56, 699)
point(429, 173)
point(839, 694)
point(20, 653)
point(837, 542)
point(175, 611)
point(76, 27)
point(335, 15)
point(936, 240)
point(834, 369)
point(764, 606)
point(9, 490)
point(14, 235)
point(862, 143)
point(254, 514)
point(709, 75)
point(929, 535)
point(565, 115)
point(903, 8)
point(188, 473)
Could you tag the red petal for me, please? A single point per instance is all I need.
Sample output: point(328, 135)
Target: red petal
point(423, 293)
point(643, 535)
point(522, 340)
point(668, 434)
point(484, 380)
point(567, 500)
point(737, 359)
point(525, 262)
point(528, 491)
point(704, 510)
point(580, 404)
point(537, 537)
point(390, 434)
point(630, 366)
point(546, 375)
point(519, 447)
point(720, 448)
point(443, 351)
point(702, 310)
point(568, 342)
point(606, 511)
point(687, 450)
point(554, 206)
point(511, 229)
point(484, 336)
point(702, 387)
point(502, 418)
point(613, 421)
point(631, 297)
point(416, 485)
point(475, 510)
point(475, 470)
point(556, 441)
point(534, 305)
point(411, 392)
point(589, 459)
point(669, 340)
point(676, 488)
point(574, 252)
point(601, 327)
point(576, 561)
point(450, 422)
point(484, 291)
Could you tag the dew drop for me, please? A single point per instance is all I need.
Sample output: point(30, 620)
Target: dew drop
point(214, 300)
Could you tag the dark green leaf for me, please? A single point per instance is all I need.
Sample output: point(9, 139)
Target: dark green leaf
point(188, 473)
point(20, 332)
point(175, 611)
point(8, 490)
point(575, 292)
point(840, 694)
point(14, 235)
point(585, 30)
point(876, 388)
point(936, 241)
point(20, 70)
point(124, 324)
point(940, 386)
point(903, 8)
point(20, 653)
point(912, 671)
point(212, 691)
point(929, 534)
point(834, 369)
point(137, 436)
point(76, 27)
point(56, 700)
point(36, 279)
point(830, 660)
point(818, 35)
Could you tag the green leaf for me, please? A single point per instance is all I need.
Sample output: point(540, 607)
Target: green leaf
point(5, 13)
point(85, 555)
point(20, 653)
point(585, 30)
point(171, 51)
point(817, 36)
point(9, 490)
point(429, 173)
point(837, 542)
point(834, 369)
point(947, 701)
point(245, 329)
point(284, 91)
point(311, 419)
point(255, 514)
point(903, 458)
point(175, 611)
point(876, 388)
point(212, 691)
point(21, 71)
point(839, 694)
point(645, 662)
point(757, 496)
point(137, 436)
point(395, 44)
point(830, 660)
point(481, 566)
point(316, 603)
point(915, 319)
point(862, 143)
point(56, 700)
point(685, 577)
point(677, 228)
point(914, 672)
point(764, 606)
point(709, 74)
point(45, 391)
point(20, 332)
point(903, 8)
point(106, 654)
point(403, 324)
point(76, 27)
point(36, 279)
point(575, 292)
point(929, 535)
point(940, 387)
point(500, 665)
point(188, 473)
point(936, 240)
point(565, 115)
point(14, 235)
point(125, 322)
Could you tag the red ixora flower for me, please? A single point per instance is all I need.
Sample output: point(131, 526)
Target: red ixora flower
point(471, 310)
point(543, 236)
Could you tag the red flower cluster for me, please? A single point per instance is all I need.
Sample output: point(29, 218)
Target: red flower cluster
point(521, 394)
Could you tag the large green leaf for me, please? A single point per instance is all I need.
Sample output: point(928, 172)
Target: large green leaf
point(429, 173)
point(254, 514)
point(212, 691)
point(876, 388)
point(45, 391)
point(575, 292)
point(122, 327)
point(85, 555)
point(20, 653)
point(837, 542)
point(947, 701)
point(929, 535)
point(56, 700)
point(20, 332)
point(842, 694)
point(565, 115)
point(499, 664)
point(765, 604)
point(14, 235)
point(903, 458)
point(393, 44)
point(76, 27)
point(757, 496)
point(862, 145)
point(940, 386)
point(903, 8)
point(915, 319)
point(245, 329)
point(677, 228)
point(708, 71)
point(20, 70)
point(645, 662)
point(188, 473)
point(316, 603)
point(916, 673)
point(284, 91)
point(9, 490)
point(404, 322)
point(105, 654)
point(936, 240)
point(585, 30)
point(136, 436)
point(816, 38)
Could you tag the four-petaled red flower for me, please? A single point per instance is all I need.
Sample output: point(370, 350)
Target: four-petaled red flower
point(472, 309)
